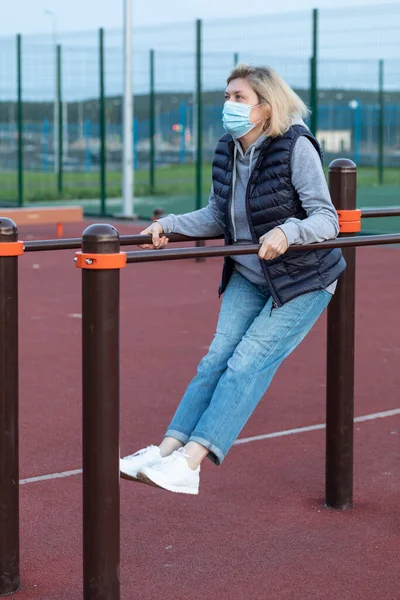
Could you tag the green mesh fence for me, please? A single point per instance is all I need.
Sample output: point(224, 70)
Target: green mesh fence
point(357, 105)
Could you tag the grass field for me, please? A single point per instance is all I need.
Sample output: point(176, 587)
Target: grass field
point(174, 180)
point(39, 187)
point(175, 191)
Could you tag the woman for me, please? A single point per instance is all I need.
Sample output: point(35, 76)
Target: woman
point(268, 187)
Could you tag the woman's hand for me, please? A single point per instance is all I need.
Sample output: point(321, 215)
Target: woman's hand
point(273, 244)
point(155, 230)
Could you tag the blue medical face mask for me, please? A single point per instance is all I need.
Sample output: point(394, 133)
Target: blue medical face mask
point(236, 118)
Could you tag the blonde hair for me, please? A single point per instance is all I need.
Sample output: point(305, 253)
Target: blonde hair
point(270, 88)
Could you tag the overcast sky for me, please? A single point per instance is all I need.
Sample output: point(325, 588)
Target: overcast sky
point(28, 16)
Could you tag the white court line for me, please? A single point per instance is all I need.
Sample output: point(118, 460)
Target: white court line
point(371, 417)
point(255, 438)
point(52, 476)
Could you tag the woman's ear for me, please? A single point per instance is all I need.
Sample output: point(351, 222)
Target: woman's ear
point(266, 115)
point(267, 111)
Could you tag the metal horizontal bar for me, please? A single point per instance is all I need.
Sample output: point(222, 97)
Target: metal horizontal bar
point(240, 250)
point(133, 240)
point(126, 240)
point(62, 244)
point(391, 211)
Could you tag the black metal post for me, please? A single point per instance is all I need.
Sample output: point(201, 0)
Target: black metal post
point(340, 355)
point(9, 468)
point(100, 379)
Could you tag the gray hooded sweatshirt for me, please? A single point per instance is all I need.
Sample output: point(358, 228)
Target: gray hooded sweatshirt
point(309, 181)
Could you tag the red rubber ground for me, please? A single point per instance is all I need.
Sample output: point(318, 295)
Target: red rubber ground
point(258, 529)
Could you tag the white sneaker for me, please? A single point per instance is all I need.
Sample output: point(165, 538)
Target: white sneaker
point(130, 465)
point(172, 473)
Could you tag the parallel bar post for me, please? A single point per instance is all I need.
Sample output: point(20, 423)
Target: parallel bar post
point(199, 102)
point(152, 126)
point(314, 75)
point(103, 183)
point(20, 124)
point(60, 122)
point(100, 381)
point(340, 355)
point(381, 124)
point(9, 468)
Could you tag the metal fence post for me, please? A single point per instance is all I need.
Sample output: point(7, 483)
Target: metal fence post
point(340, 355)
point(152, 128)
point(135, 138)
point(20, 124)
point(182, 133)
point(46, 135)
point(381, 106)
point(88, 135)
point(100, 434)
point(314, 75)
point(60, 123)
point(9, 468)
point(199, 102)
point(103, 183)
point(235, 59)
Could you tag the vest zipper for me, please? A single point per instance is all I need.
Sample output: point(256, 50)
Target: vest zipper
point(253, 233)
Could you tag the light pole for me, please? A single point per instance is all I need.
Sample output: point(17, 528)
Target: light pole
point(52, 15)
point(127, 166)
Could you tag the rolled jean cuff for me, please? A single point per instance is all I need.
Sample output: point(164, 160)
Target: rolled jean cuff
point(178, 435)
point(215, 454)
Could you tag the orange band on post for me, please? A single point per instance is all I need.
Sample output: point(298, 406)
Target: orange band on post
point(11, 248)
point(350, 227)
point(349, 220)
point(349, 215)
point(100, 261)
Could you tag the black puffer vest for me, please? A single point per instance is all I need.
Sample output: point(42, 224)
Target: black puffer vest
point(270, 200)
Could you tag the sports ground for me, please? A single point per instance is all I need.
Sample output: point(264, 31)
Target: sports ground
point(258, 529)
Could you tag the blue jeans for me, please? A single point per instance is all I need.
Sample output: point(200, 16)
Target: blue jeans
point(253, 337)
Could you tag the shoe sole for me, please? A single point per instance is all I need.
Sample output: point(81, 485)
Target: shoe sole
point(131, 478)
point(143, 478)
point(128, 477)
